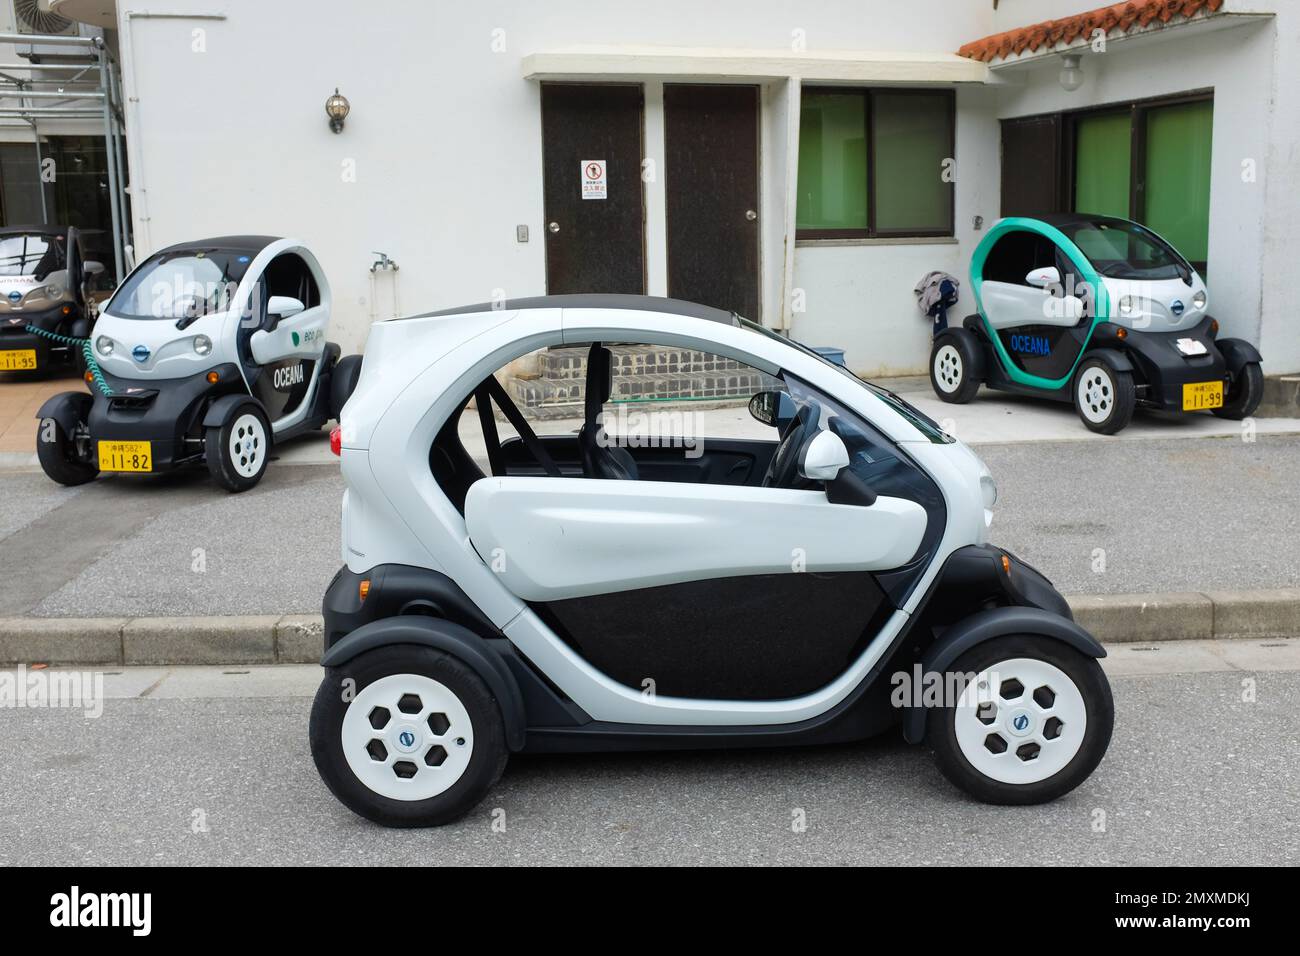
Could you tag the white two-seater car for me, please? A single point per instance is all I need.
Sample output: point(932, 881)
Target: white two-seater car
point(587, 592)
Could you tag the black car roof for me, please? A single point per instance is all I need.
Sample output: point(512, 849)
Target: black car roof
point(646, 303)
point(47, 228)
point(248, 244)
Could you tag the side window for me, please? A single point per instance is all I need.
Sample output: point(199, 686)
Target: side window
point(1017, 253)
point(877, 460)
point(290, 275)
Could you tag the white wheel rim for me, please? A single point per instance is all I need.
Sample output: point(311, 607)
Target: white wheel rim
point(421, 751)
point(1096, 394)
point(1039, 734)
point(247, 445)
point(947, 368)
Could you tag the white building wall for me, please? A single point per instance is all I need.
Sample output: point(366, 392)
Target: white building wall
point(444, 134)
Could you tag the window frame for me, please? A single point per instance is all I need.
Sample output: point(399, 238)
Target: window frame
point(868, 93)
point(1137, 110)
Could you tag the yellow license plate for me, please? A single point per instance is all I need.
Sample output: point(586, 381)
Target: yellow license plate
point(16, 360)
point(1199, 395)
point(125, 456)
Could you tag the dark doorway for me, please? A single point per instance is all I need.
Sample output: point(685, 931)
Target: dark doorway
point(711, 191)
point(1031, 165)
point(595, 234)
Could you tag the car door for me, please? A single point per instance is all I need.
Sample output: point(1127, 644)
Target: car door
point(1041, 328)
point(732, 592)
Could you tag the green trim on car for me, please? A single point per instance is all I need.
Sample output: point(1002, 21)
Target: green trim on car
point(1088, 275)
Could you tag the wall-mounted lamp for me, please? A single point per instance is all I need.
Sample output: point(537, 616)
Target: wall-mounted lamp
point(336, 108)
point(1071, 73)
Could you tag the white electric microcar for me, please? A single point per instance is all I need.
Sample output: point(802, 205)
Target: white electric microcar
point(582, 592)
point(210, 352)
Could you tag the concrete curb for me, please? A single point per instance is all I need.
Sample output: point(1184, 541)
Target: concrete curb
point(296, 638)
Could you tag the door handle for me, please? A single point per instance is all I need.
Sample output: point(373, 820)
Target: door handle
point(751, 215)
point(553, 227)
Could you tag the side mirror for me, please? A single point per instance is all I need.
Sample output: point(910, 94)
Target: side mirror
point(823, 458)
point(765, 406)
point(1044, 277)
point(283, 306)
point(92, 267)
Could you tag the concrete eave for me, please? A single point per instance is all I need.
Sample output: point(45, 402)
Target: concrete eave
point(682, 63)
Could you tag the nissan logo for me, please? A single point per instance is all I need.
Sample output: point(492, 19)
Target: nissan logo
point(15, 296)
point(140, 353)
point(1176, 307)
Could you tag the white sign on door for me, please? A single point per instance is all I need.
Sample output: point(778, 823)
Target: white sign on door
point(594, 183)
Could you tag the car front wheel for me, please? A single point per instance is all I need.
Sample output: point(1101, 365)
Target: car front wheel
point(953, 360)
point(1033, 722)
point(407, 736)
point(1104, 396)
point(238, 450)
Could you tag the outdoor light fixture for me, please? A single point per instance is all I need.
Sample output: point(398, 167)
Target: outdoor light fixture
point(336, 108)
point(1071, 74)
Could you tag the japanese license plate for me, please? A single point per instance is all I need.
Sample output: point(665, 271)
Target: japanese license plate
point(125, 456)
point(16, 360)
point(1199, 395)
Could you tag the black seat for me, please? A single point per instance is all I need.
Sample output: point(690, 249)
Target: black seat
point(600, 459)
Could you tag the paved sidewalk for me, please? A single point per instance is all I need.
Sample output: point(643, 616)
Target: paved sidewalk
point(20, 398)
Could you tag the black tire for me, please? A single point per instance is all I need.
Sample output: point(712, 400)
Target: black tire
point(487, 759)
point(60, 457)
point(1092, 685)
point(238, 474)
point(1245, 394)
point(1113, 395)
point(954, 359)
point(343, 381)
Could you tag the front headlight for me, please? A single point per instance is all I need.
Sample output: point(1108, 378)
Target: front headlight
point(1128, 305)
point(1199, 300)
point(104, 345)
point(989, 489)
point(202, 344)
point(53, 292)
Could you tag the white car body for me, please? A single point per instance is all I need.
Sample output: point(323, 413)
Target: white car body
point(561, 535)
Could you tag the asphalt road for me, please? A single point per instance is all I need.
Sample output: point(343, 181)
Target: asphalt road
point(1194, 776)
point(1171, 515)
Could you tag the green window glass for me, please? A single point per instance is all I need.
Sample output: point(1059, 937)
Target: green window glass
point(832, 162)
point(1177, 193)
point(1101, 164)
point(912, 138)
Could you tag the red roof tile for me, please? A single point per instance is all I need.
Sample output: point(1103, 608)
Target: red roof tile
point(1117, 16)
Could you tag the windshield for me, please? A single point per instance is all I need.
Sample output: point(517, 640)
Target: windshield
point(35, 255)
point(919, 420)
point(181, 285)
point(1125, 250)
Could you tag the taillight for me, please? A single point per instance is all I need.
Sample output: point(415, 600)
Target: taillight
point(336, 439)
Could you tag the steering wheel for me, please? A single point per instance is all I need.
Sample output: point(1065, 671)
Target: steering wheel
point(783, 469)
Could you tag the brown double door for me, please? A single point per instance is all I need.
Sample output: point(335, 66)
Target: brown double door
point(597, 243)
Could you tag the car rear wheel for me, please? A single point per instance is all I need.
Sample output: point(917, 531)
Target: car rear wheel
point(1030, 726)
point(1244, 395)
point(407, 736)
point(1104, 396)
point(238, 450)
point(953, 360)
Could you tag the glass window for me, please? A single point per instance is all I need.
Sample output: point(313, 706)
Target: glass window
point(1101, 164)
point(183, 285)
point(873, 162)
point(1123, 250)
point(33, 255)
point(912, 134)
point(1177, 194)
point(832, 162)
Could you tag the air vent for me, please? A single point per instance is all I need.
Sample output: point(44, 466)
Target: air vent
point(32, 18)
